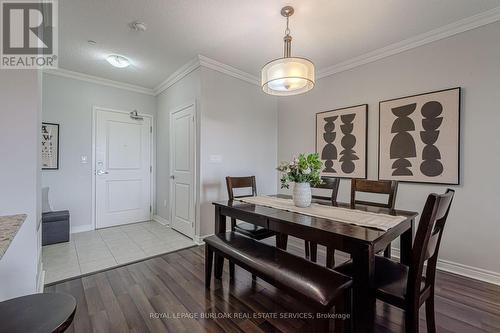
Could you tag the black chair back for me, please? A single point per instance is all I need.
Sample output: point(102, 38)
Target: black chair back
point(329, 183)
point(389, 187)
point(240, 182)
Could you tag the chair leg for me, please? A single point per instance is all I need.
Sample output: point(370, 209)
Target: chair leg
point(343, 309)
point(219, 266)
point(209, 255)
point(281, 241)
point(231, 270)
point(430, 314)
point(411, 320)
point(233, 223)
point(330, 257)
point(314, 251)
point(306, 248)
point(387, 251)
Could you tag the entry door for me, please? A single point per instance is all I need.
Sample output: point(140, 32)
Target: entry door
point(182, 157)
point(123, 169)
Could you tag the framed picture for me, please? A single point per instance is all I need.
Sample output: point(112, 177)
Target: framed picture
point(50, 146)
point(341, 136)
point(419, 138)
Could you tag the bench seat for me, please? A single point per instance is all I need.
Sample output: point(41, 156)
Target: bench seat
point(303, 279)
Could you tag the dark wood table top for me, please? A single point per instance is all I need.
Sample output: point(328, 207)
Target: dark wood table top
point(42, 313)
point(351, 231)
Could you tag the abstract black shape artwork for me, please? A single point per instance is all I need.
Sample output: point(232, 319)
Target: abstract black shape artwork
point(431, 166)
point(329, 151)
point(342, 130)
point(348, 142)
point(419, 138)
point(402, 145)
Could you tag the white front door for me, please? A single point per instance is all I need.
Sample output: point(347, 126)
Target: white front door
point(122, 168)
point(182, 157)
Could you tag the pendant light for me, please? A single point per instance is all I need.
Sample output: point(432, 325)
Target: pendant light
point(288, 75)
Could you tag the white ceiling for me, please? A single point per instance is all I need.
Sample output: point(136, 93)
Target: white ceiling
point(241, 33)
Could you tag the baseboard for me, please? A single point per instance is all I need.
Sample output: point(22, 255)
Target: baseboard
point(81, 228)
point(463, 270)
point(199, 239)
point(160, 220)
point(41, 279)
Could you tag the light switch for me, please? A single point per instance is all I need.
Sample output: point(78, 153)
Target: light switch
point(215, 158)
point(84, 159)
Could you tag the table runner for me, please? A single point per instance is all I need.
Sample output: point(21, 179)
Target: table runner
point(345, 215)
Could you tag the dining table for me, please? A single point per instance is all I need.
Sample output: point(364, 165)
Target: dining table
point(361, 242)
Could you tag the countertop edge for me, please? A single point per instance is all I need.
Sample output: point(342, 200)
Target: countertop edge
point(9, 226)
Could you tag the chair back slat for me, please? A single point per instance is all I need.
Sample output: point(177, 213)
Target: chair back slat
point(389, 187)
point(329, 183)
point(427, 241)
point(240, 182)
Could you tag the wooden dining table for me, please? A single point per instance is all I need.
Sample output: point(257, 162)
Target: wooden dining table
point(360, 242)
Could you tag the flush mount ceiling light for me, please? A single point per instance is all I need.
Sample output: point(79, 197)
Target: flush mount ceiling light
point(288, 75)
point(118, 61)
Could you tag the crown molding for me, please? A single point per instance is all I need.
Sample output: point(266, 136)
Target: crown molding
point(228, 70)
point(446, 31)
point(98, 80)
point(177, 75)
point(199, 61)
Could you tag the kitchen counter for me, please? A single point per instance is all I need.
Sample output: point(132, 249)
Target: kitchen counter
point(9, 226)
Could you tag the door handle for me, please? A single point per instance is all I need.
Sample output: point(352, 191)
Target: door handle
point(172, 177)
point(101, 172)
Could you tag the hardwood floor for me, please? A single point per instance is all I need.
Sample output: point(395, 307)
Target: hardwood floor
point(167, 294)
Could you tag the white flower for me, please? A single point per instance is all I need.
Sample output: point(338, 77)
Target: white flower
point(307, 171)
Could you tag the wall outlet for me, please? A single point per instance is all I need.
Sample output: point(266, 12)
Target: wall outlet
point(215, 158)
point(84, 159)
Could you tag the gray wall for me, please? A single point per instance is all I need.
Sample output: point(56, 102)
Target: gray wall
point(69, 103)
point(239, 124)
point(20, 178)
point(182, 93)
point(470, 60)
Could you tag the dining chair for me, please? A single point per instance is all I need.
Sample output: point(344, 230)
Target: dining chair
point(328, 183)
point(244, 228)
point(389, 187)
point(409, 287)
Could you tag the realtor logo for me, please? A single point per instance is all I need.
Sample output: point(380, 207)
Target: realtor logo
point(29, 34)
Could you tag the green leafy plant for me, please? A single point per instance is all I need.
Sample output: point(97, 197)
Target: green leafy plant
point(302, 169)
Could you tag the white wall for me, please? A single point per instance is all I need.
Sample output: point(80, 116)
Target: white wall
point(470, 60)
point(238, 123)
point(69, 103)
point(19, 178)
point(182, 93)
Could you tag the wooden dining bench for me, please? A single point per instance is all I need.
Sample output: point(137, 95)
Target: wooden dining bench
point(311, 284)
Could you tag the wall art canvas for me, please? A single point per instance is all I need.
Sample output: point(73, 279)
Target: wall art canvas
point(50, 146)
point(341, 141)
point(419, 138)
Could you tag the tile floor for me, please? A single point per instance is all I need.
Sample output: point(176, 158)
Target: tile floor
point(92, 251)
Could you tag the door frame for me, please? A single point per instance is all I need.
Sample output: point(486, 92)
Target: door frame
point(152, 158)
point(195, 162)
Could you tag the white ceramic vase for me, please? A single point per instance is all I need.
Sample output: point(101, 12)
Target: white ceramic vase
point(302, 194)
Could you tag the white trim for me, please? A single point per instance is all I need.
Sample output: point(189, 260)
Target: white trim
point(152, 196)
point(195, 163)
point(99, 80)
point(81, 228)
point(177, 76)
point(228, 70)
point(161, 220)
point(446, 31)
point(199, 239)
point(463, 270)
point(201, 60)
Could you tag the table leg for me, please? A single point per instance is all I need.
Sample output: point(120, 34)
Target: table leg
point(406, 244)
point(364, 293)
point(220, 227)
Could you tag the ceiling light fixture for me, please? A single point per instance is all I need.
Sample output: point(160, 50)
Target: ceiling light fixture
point(288, 75)
point(118, 61)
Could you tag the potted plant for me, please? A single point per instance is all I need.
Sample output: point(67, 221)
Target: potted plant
point(304, 171)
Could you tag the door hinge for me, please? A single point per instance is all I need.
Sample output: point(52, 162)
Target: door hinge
point(150, 168)
point(150, 208)
point(150, 129)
